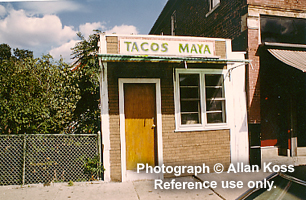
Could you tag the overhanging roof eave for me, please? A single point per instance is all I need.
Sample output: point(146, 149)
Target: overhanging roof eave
point(283, 45)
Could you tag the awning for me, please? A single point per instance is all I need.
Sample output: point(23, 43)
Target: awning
point(137, 58)
point(296, 59)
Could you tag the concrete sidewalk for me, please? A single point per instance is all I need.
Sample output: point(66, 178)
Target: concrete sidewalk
point(233, 193)
point(136, 190)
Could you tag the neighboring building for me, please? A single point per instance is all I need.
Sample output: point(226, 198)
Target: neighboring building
point(173, 101)
point(273, 35)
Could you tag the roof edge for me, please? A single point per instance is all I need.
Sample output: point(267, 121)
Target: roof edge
point(284, 45)
point(166, 11)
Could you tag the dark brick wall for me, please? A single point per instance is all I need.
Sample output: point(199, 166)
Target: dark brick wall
point(191, 19)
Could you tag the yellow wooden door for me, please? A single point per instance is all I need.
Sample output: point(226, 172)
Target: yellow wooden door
point(139, 109)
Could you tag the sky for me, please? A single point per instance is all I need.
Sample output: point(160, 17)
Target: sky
point(51, 26)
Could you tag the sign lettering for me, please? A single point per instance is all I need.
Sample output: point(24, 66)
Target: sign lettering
point(191, 48)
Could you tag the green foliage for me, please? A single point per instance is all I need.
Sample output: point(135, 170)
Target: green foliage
point(86, 69)
point(40, 95)
point(37, 95)
point(5, 52)
point(22, 54)
point(92, 166)
point(70, 183)
point(19, 54)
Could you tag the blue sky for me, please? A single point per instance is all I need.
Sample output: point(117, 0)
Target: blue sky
point(51, 26)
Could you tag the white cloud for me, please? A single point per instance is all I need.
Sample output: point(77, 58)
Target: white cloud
point(50, 7)
point(123, 29)
point(18, 29)
point(87, 29)
point(64, 51)
point(2, 11)
point(47, 34)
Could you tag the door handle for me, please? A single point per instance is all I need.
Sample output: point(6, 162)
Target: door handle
point(153, 126)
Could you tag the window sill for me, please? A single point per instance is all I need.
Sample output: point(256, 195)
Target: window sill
point(212, 10)
point(201, 128)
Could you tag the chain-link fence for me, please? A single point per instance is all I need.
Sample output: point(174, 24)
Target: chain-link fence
point(27, 159)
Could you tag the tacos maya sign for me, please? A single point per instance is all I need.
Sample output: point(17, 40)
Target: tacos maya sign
point(167, 46)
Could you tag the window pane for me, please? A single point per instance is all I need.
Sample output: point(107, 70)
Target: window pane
point(215, 105)
point(190, 118)
point(190, 106)
point(215, 118)
point(189, 80)
point(282, 29)
point(189, 92)
point(215, 98)
point(214, 3)
point(213, 80)
point(190, 98)
point(214, 93)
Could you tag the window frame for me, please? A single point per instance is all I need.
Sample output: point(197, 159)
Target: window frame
point(211, 8)
point(203, 125)
point(211, 2)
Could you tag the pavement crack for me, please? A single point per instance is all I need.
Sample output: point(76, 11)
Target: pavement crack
point(136, 191)
point(219, 195)
point(57, 193)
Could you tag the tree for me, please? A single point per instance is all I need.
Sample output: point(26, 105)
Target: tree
point(5, 52)
point(37, 95)
point(86, 68)
point(22, 54)
point(19, 54)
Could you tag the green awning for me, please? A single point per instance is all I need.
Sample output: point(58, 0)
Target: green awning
point(136, 58)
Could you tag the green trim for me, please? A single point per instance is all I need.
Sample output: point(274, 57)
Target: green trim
point(138, 58)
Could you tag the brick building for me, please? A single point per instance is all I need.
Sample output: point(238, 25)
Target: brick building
point(172, 101)
point(271, 32)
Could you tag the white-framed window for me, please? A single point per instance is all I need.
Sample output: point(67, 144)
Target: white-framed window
point(200, 100)
point(213, 4)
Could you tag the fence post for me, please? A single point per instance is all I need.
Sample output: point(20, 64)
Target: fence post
point(24, 159)
point(99, 150)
